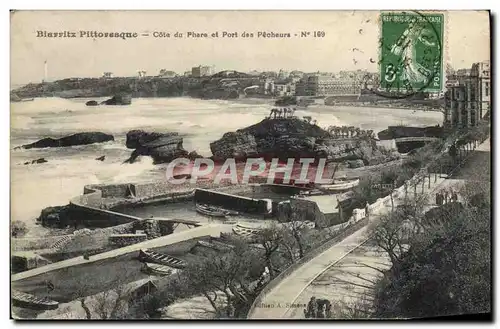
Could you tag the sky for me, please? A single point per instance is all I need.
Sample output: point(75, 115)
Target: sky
point(350, 42)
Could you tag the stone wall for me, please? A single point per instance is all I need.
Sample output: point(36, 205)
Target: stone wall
point(24, 261)
point(145, 190)
point(308, 210)
point(233, 202)
point(109, 190)
point(122, 240)
point(91, 197)
point(94, 217)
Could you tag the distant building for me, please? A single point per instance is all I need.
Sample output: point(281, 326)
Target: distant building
point(187, 73)
point(167, 74)
point(267, 86)
point(467, 99)
point(282, 74)
point(326, 85)
point(268, 74)
point(296, 74)
point(463, 72)
point(480, 73)
point(284, 88)
point(202, 71)
point(451, 81)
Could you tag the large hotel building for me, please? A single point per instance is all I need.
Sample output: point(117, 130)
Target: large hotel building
point(467, 99)
point(326, 85)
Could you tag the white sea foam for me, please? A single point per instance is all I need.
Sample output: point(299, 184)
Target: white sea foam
point(69, 169)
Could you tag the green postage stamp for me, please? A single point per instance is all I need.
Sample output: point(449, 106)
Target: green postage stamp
point(411, 52)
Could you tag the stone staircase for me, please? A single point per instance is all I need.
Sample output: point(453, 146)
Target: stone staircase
point(61, 243)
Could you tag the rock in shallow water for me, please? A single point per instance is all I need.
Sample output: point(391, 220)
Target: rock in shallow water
point(162, 147)
point(121, 99)
point(41, 160)
point(72, 140)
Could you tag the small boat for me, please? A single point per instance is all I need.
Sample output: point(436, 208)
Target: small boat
point(341, 184)
point(155, 257)
point(215, 245)
point(210, 211)
point(229, 212)
point(311, 192)
point(24, 300)
point(158, 269)
point(245, 231)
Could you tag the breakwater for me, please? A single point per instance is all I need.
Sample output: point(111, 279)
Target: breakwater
point(98, 205)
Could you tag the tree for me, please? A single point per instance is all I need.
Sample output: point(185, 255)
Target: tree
point(18, 229)
point(233, 274)
point(444, 270)
point(109, 304)
point(270, 239)
point(387, 234)
point(293, 237)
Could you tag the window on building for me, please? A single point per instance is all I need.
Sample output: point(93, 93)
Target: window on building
point(487, 89)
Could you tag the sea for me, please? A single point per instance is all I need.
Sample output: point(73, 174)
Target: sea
point(36, 186)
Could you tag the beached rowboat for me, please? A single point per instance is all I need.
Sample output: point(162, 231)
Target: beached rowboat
point(158, 269)
point(24, 300)
point(215, 245)
point(210, 211)
point(340, 185)
point(245, 231)
point(155, 257)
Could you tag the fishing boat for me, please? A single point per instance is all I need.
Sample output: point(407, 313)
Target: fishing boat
point(155, 257)
point(229, 212)
point(24, 300)
point(311, 192)
point(210, 211)
point(215, 245)
point(157, 269)
point(245, 231)
point(340, 185)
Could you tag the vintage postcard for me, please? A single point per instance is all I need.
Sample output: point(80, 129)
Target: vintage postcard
point(250, 164)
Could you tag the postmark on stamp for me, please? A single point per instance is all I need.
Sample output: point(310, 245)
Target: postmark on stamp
point(411, 52)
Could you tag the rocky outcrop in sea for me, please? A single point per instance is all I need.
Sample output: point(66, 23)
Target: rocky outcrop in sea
point(291, 138)
point(162, 147)
point(37, 161)
point(121, 99)
point(72, 140)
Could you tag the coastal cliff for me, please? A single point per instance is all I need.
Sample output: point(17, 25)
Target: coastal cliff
point(213, 87)
point(291, 138)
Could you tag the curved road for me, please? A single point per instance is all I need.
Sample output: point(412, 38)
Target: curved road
point(283, 300)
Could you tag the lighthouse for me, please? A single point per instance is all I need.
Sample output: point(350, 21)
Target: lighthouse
point(45, 71)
